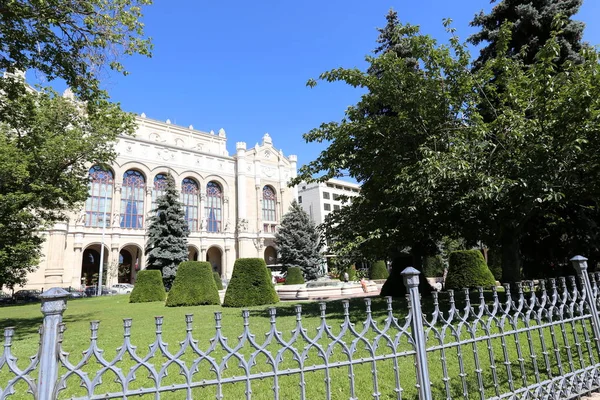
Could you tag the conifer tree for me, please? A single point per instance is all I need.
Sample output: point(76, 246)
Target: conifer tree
point(532, 25)
point(166, 247)
point(298, 242)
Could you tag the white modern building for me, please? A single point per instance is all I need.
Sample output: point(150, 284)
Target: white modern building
point(319, 199)
point(233, 204)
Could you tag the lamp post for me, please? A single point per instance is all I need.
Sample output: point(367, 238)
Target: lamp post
point(99, 287)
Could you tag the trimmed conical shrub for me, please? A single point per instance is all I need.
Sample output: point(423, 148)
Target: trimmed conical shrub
point(294, 276)
point(250, 284)
point(194, 285)
point(467, 269)
point(378, 270)
point(394, 285)
point(218, 280)
point(148, 287)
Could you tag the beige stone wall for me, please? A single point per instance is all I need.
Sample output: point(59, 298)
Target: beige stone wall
point(160, 147)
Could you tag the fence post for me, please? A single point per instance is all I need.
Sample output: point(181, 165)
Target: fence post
point(411, 281)
point(54, 303)
point(580, 265)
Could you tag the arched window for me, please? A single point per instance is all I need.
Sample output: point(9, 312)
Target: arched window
point(100, 197)
point(189, 199)
point(269, 202)
point(214, 200)
point(132, 200)
point(160, 184)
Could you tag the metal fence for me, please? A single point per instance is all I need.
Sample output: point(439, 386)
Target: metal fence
point(540, 342)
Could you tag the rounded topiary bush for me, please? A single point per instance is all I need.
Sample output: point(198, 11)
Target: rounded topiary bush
point(294, 276)
point(194, 285)
point(218, 280)
point(148, 287)
point(250, 284)
point(467, 269)
point(378, 270)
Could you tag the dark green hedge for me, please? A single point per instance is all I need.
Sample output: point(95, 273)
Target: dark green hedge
point(148, 287)
point(495, 262)
point(394, 285)
point(294, 276)
point(467, 269)
point(218, 280)
point(433, 266)
point(250, 284)
point(378, 270)
point(194, 285)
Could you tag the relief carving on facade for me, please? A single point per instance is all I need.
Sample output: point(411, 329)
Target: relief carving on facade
point(242, 225)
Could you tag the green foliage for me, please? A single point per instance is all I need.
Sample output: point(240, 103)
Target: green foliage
point(298, 242)
point(72, 40)
point(48, 142)
point(167, 232)
point(44, 168)
point(494, 263)
point(468, 270)
point(148, 287)
point(194, 285)
point(445, 168)
point(351, 270)
point(378, 270)
point(394, 285)
point(250, 284)
point(218, 280)
point(433, 266)
point(294, 276)
point(531, 26)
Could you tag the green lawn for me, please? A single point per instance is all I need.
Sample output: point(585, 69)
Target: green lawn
point(111, 311)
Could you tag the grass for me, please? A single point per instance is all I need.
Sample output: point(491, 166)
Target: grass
point(517, 355)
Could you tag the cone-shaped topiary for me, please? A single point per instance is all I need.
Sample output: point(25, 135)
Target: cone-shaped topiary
point(148, 287)
point(378, 270)
point(294, 276)
point(467, 269)
point(394, 285)
point(194, 285)
point(218, 280)
point(250, 284)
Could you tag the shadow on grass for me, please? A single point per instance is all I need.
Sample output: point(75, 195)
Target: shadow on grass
point(30, 326)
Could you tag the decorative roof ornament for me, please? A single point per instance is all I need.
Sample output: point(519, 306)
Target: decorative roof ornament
point(212, 132)
point(143, 115)
point(221, 132)
point(267, 139)
point(168, 122)
point(191, 127)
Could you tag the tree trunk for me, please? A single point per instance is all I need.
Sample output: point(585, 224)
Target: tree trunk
point(511, 260)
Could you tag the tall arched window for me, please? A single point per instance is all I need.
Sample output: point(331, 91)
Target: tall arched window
point(269, 202)
point(100, 197)
point(189, 199)
point(214, 200)
point(132, 200)
point(160, 184)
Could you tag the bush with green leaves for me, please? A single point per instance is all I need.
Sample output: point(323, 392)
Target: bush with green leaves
point(250, 284)
point(433, 266)
point(194, 285)
point(378, 270)
point(218, 280)
point(351, 270)
point(148, 287)
point(294, 276)
point(467, 269)
point(495, 262)
point(394, 285)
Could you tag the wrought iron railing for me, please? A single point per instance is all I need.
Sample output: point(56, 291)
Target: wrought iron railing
point(539, 342)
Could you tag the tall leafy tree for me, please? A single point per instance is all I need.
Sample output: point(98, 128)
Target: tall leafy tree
point(46, 141)
point(46, 147)
point(167, 232)
point(298, 242)
point(532, 25)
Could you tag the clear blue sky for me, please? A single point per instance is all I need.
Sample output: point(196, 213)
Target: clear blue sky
point(243, 66)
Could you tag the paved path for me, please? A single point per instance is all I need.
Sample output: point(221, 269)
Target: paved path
point(594, 396)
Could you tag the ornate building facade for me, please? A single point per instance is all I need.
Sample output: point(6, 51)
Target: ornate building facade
point(232, 204)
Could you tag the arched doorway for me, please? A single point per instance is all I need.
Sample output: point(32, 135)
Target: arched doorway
point(214, 256)
point(192, 253)
point(130, 259)
point(90, 265)
point(270, 255)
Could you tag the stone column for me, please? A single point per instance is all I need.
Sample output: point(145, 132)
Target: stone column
point(116, 205)
point(259, 201)
point(201, 216)
point(241, 180)
point(147, 206)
